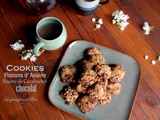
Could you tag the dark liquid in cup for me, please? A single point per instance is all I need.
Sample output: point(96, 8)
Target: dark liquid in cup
point(50, 31)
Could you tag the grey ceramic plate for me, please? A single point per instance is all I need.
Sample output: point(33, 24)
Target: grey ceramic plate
point(120, 106)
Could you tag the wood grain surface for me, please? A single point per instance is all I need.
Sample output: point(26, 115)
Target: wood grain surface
point(17, 23)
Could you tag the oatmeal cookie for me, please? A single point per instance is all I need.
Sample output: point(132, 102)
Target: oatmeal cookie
point(81, 88)
point(98, 89)
point(105, 81)
point(96, 59)
point(88, 78)
point(67, 73)
point(103, 71)
point(87, 65)
point(118, 73)
point(69, 95)
point(84, 65)
point(87, 103)
point(105, 99)
point(92, 50)
point(114, 88)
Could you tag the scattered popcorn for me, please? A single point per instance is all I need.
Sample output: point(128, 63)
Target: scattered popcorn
point(120, 19)
point(33, 58)
point(17, 45)
point(153, 62)
point(146, 57)
point(147, 28)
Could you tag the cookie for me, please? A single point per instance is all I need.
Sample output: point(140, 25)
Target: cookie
point(88, 78)
point(118, 73)
point(87, 65)
point(103, 70)
point(105, 99)
point(81, 88)
point(87, 103)
point(67, 73)
point(98, 89)
point(96, 59)
point(114, 88)
point(69, 94)
point(84, 65)
point(92, 50)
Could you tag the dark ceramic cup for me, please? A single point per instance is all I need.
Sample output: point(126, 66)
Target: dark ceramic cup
point(87, 7)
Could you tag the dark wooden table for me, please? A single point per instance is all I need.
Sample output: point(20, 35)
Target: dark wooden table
point(16, 23)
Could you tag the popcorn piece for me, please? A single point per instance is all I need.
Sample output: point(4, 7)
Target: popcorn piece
point(153, 62)
point(147, 28)
point(17, 45)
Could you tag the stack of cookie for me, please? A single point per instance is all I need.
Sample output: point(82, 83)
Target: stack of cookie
point(91, 80)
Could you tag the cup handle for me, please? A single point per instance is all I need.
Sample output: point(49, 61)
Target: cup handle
point(103, 3)
point(36, 50)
